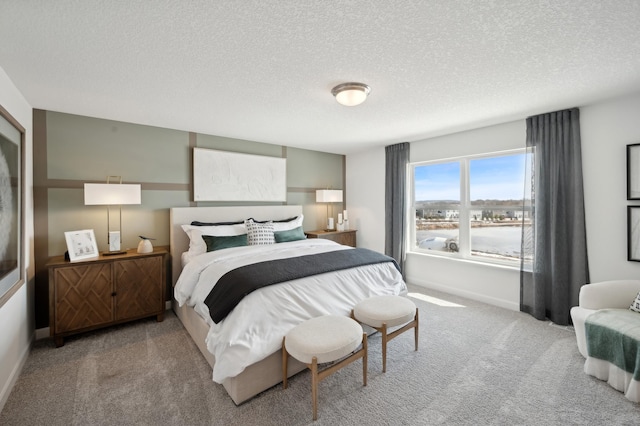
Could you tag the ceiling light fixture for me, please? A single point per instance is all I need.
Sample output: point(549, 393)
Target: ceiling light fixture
point(350, 94)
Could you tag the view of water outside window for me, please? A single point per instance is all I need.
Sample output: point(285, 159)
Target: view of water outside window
point(494, 207)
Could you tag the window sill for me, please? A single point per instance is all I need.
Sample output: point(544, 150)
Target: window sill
point(453, 258)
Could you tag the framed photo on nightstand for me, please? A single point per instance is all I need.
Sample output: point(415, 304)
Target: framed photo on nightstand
point(81, 244)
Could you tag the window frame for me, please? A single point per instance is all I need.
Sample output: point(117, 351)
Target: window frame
point(464, 223)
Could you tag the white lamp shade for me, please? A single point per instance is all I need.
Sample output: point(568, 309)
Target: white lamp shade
point(101, 194)
point(328, 196)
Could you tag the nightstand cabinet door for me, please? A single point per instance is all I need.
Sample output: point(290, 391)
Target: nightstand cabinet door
point(139, 285)
point(82, 296)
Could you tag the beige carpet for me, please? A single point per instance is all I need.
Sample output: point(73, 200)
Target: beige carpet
point(477, 365)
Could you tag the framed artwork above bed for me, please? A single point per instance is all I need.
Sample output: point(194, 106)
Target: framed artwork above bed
point(231, 176)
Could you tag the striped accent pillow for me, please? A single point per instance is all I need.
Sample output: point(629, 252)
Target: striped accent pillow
point(259, 233)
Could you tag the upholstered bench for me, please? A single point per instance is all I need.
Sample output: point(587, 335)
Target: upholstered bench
point(321, 340)
point(384, 312)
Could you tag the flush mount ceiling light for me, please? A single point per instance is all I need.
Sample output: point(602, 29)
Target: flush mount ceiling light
point(351, 94)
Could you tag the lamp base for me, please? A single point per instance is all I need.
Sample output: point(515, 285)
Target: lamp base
point(113, 253)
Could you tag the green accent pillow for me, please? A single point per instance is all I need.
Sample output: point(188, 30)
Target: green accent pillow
point(289, 235)
point(219, 243)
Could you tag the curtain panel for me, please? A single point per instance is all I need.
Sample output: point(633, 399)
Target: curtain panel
point(556, 241)
point(397, 158)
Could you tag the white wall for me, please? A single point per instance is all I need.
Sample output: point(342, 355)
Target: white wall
point(16, 315)
point(365, 177)
point(606, 128)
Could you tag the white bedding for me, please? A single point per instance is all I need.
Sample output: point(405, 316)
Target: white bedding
point(254, 329)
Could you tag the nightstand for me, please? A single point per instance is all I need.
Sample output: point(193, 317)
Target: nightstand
point(347, 238)
point(94, 293)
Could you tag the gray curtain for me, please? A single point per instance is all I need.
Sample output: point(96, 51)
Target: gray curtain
point(556, 241)
point(397, 158)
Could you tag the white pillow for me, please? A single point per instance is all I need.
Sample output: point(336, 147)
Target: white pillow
point(287, 226)
point(259, 234)
point(196, 243)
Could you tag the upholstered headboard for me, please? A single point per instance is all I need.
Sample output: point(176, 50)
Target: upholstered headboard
point(179, 216)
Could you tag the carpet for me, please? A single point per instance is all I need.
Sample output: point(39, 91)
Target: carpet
point(477, 365)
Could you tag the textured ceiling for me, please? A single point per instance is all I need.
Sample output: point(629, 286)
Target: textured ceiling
point(263, 70)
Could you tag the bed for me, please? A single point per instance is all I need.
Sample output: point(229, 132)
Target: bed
point(247, 367)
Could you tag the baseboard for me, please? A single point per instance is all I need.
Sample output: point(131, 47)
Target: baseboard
point(15, 373)
point(43, 333)
point(467, 294)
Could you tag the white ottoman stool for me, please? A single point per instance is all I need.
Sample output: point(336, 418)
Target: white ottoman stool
point(324, 339)
point(384, 312)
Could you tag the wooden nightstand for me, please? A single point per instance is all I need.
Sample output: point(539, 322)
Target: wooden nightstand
point(94, 293)
point(348, 238)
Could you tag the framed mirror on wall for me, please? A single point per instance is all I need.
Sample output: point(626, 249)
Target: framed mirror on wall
point(11, 206)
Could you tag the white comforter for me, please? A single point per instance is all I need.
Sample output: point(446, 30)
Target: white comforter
point(254, 329)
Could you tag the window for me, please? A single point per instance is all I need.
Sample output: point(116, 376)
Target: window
point(471, 207)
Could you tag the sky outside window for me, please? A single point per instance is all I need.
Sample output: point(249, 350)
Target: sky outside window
point(436, 182)
point(494, 178)
point(497, 178)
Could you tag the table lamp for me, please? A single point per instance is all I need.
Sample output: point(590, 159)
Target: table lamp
point(112, 194)
point(329, 196)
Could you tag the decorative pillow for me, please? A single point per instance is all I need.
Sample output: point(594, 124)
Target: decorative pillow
point(289, 235)
point(635, 305)
point(219, 243)
point(259, 233)
point(196, 243)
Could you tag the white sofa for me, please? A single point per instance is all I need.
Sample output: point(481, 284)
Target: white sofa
point(606, 294)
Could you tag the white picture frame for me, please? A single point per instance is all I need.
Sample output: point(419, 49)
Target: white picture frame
point(81, 244)
point(232, 176)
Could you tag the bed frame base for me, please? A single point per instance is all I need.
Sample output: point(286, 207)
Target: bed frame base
point(254, 379)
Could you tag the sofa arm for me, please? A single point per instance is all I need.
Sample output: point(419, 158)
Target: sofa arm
point(609, 294)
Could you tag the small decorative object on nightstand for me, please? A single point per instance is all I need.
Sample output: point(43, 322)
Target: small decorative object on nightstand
point(347, 238)
point(90, 294)
point(145, 246)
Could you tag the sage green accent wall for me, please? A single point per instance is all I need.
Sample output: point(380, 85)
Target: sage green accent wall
point(236, 145)
point(82, 149)
point(67, 212)
point(91, 149)
point(314, 169)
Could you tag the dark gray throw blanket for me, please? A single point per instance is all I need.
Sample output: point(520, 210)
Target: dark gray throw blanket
point(237, 283)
